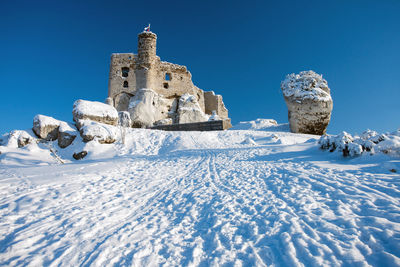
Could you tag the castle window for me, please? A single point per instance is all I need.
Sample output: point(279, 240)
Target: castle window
point(125, 71)
point(165, 85)
point(167, 76)
point(125, 84)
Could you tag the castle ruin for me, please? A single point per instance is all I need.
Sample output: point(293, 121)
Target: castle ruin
point(130, 73)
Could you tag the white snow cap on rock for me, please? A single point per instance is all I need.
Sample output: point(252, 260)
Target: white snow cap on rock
point(45, 127)
point(306, 85)
point(95, 111)
point(189, 110)
point(103, 133)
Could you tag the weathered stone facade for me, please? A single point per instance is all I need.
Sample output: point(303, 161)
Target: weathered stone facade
point(131, 72)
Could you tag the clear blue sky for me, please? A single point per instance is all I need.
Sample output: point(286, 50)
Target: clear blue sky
point(54, 52)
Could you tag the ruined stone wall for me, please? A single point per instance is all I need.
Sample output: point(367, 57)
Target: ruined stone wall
point(172, 80)
point(214, 102)
point(122, 80)
point(129, 73)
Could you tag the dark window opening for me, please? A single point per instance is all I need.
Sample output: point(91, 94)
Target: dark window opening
point(167, 76)
point(166, 85)
point(125, 72)
point(125, 84)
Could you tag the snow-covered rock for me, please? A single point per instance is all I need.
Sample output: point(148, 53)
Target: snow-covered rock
point(66, 134)
point(94, 111)
point(17, 139)
point(147, 107)
point(368, 141)
point(258, 124)
point(124, 119)
point(309, 102)
point(189, 110)
point(45, 127)
point(214, 116)
point(103, 133)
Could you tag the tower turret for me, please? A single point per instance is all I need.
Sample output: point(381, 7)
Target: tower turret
point(146, 59)
point(147, 42)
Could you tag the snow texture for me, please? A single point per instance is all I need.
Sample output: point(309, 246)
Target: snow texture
point(224, 198)
point(306, 85)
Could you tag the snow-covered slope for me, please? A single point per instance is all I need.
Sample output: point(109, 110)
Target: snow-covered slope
point(258, 196)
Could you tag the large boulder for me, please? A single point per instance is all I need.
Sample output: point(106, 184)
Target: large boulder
point(309, 102)
point(66, 134)
point(147, 107)
point(189, 110)
point(103, 133)
point(94, 111)
point(45, 127)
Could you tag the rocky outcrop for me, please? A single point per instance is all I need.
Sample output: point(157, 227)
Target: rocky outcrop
point(103, 133)
point(94, 111)
point(189, 110)
point(66, 134)
point(147, 107)
point(45, 127)
point(309, 102)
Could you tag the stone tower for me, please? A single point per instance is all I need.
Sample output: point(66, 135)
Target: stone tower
point(146, 60)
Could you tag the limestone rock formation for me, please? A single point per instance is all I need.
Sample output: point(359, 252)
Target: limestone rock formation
point(94, 111)
point(147, 107)
point(66, 134)
point(189, 110)
point(103, 133)
point(45, 127)
point(309, 102)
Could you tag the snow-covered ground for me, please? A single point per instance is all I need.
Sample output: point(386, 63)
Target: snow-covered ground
point(262, 197)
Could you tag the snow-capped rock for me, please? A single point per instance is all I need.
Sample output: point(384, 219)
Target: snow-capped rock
point(17, 139)
point(45, 127)
point(368, 141)
point(103, 133)
point(189, 110)
point(309, 102)
point(66, 134)
point(147, 107)
point(94, 111)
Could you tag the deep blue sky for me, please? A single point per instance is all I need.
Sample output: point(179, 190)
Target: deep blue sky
point(54, 52)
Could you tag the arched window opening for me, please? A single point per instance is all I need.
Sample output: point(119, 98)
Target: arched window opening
point(125, 84)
